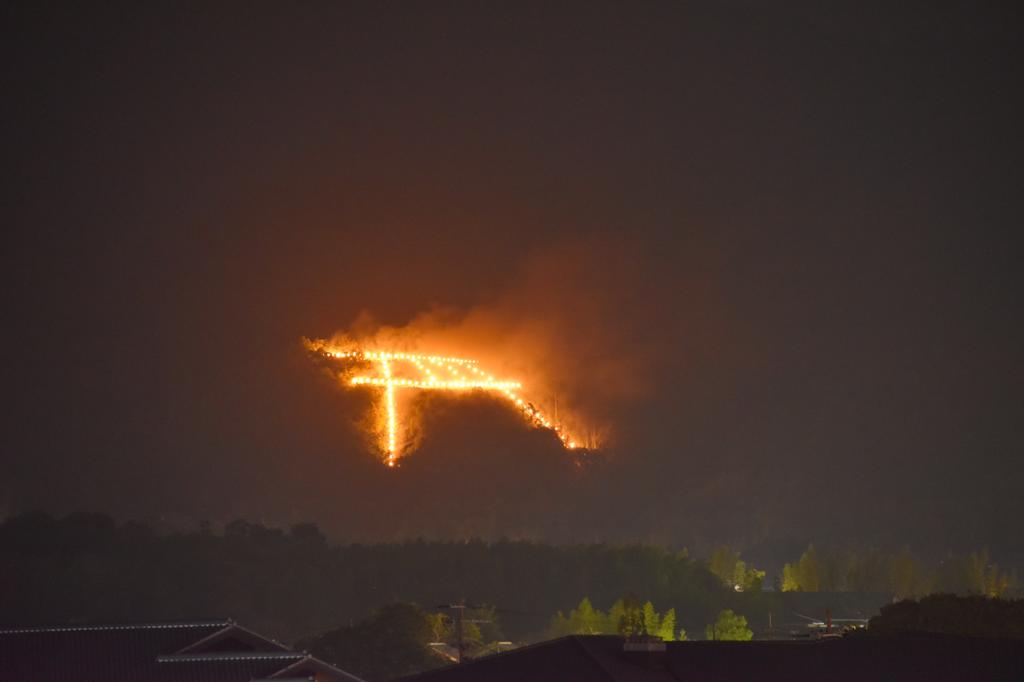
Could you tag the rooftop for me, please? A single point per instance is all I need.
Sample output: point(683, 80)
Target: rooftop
point(192, 651)
point(599, 658)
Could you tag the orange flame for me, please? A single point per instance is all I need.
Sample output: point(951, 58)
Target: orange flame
point(418, 371)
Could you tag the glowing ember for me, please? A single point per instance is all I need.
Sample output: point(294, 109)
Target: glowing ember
point(432, 373)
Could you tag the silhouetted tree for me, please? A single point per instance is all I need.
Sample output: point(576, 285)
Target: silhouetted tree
point(973, 615)
point(394, 641)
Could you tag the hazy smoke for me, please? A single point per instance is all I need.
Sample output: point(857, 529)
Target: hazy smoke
point(563, 328)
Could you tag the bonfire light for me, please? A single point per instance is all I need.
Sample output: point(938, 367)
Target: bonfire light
point(432, 373)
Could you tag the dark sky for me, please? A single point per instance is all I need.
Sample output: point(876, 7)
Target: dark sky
point(768, 246)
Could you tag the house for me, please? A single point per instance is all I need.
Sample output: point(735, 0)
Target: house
point(601, 658)
point(185, 651)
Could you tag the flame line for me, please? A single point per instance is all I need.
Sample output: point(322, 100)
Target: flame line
point(389, 399)
point(454, 367)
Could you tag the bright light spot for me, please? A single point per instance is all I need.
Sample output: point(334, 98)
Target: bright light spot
point(388, 362)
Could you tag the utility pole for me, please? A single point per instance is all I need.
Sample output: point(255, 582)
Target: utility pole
point(460, 612)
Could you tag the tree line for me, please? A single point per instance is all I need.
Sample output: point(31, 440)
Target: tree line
point(627, 617)
point(292, 583)
point(897, 573)
point(401, 639)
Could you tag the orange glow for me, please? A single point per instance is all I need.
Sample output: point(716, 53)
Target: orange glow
point(432, 373)
point(391, 447)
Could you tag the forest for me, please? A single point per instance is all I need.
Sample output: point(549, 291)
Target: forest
point(292, 583)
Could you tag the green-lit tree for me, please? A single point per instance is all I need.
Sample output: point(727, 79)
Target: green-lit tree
point(733, 572)
point(729, 626)
point(651, 622)
point(978, 574)
point(439, 626)
point(805, 575)
point(625, 617)
point(631, 623)
point(486, 629)
point(906, 577)
point(667, 628)
point(614, 618)
point(560, 626)
point(748, 579)
point(585, 619)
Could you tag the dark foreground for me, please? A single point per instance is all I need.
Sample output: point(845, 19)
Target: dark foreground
point(223, 651)
point(854, 658)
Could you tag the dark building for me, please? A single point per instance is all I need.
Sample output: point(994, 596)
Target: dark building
point(599, 658)
point(199, 651)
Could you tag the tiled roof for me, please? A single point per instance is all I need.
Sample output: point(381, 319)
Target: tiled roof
point(198, 651)
point(243, 667)
point(107, 627)
point(94, 652)
point(314, 667)
point(222, 667)
point(289, 656)
point(234, 638)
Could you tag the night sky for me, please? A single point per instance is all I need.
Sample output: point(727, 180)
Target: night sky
point(768, 247)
